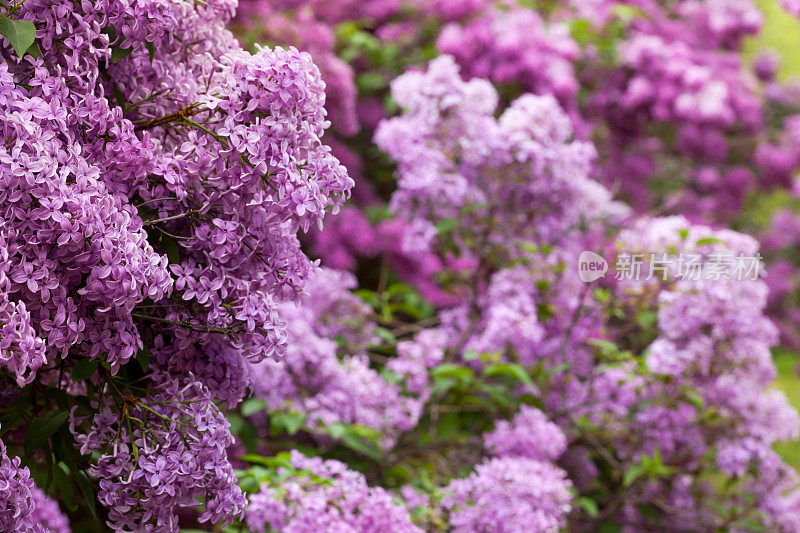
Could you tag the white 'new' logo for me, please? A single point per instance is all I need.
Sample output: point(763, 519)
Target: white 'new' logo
point(591, 266)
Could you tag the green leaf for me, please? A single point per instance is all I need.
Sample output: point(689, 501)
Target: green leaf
point(143, 358)
point(370, 82)
point(626, 13)
point(359, 444)
point(581, 31)
point(606, 347)
point(43, 428)
point(118, 53)
point(120, 98)
point(336, 430)
point(470, 355)
point(59, 397)
point(270, 462)
point(85, 484)
point(588, 505)
point(633, 473)
point(647, 510)
point(386, 335)
point(647, 318)
point(708, 240)
point(253, 406)
point(446, 225)
point(170, 247)
point(244, 430)
point(695, 399)
point(151, 50)
point(449, 370)
point(20, 33)
point(64, 487)
point(291, 421)
point(83, 369)
point(442, 385)
point(35, 51)
point(512, 370)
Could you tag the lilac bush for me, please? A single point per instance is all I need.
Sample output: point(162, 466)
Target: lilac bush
point(547, 402)
point(153, 179)
point(196, 331)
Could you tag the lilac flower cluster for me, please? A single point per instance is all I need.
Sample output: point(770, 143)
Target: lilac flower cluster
point(46, 513)
point(709, 341)
point(445, 115)
point(530, 434)
point(228, 196)
point(515, 46)
point(76, 256)
point(274, 22)
point(160, 454)
point(24, 506)
point(17, 506)
point(674, 68)
point(520, 489)
point(325, 496)
point(509, 495)
point(153, 179)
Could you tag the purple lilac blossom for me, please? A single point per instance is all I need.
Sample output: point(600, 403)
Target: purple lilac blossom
point(338, 500)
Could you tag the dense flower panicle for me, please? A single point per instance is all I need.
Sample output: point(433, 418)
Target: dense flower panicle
point(24, 506)
point(166, 450)
point(714, 338)
point(338, 499)
point(530, 434)
point(21, 351)
point(47, 515)
point(675, 67)
point(18, 504)
point(77, 259)
point(227, 197)
point(153, 180)
point(674, 83)
point(296, 24)
point(456, 161)
point(515, 46)
point(509, 495)
point(415, 358)
point(222, 370)
point(702, 307)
